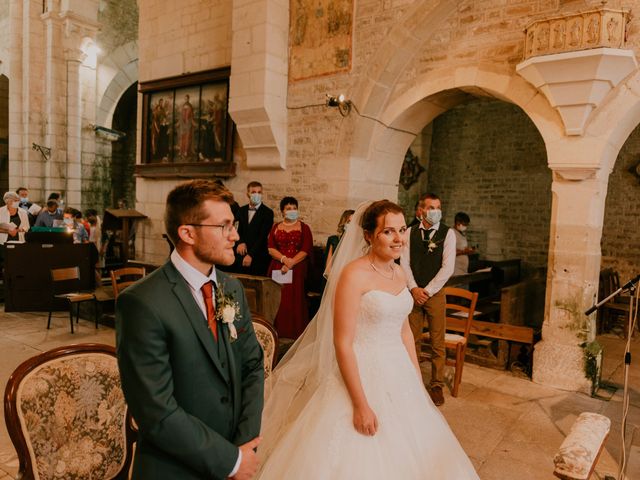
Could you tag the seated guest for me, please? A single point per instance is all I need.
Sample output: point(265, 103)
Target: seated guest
point(290, 243)
point(254, 223)
point(58, 198)
point(461, 222)
point(10, 213)
point(333, 240)
point(80, 234)
point(50, 216)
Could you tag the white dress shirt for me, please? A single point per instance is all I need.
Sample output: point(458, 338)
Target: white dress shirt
point(448, 261)
point(196, 280)
point(252, 213)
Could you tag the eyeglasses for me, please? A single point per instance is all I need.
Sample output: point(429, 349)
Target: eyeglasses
point(226, 228)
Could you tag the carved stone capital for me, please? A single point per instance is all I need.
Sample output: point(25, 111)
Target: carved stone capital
point(601, 27)
point(576, 83)
point(574, 173)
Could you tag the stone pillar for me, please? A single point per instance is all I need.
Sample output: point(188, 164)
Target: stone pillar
point(572, 279)
point(258, 83)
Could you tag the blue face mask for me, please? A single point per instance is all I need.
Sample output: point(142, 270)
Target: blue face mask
point(24, 199)
point(256, 198)
point(291, 215)
point(68, 221)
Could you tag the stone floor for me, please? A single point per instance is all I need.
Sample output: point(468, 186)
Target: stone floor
point(508, 425)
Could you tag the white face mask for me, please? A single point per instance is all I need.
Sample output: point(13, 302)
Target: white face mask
point(462, 228)
point(433, 216)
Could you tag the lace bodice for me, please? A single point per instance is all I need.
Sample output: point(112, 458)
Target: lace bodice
point(381, 317)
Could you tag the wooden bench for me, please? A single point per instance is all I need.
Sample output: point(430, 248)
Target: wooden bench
point(578, 455)
point(499, 331)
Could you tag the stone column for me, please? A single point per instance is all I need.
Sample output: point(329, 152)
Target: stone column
point(572, 279)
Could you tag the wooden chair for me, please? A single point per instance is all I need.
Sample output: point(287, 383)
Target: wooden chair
point(67, 417)
point(463, 301)
point(614, 308)
point(268, 339)
point(65, 283)
point(123, 277)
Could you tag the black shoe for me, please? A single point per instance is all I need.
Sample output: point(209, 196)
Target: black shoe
point(436, 395)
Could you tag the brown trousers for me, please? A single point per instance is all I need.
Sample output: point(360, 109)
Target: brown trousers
point(433, 312)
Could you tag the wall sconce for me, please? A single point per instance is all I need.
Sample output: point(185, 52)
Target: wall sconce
point(109, 134)
point(344, 105)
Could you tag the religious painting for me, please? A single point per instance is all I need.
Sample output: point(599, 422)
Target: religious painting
point(320, 37)
point(187, 130)
point(186, 127)
point(213, 123)
point(161, 126)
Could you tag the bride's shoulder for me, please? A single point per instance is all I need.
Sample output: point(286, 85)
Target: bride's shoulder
point(355, 269)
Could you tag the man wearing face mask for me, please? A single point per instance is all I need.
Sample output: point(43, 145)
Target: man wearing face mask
point(254, 223)
point(428, 262)
point(461, 222)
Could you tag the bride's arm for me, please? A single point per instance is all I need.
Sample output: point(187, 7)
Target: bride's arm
point(409, 344)
point(346, 306)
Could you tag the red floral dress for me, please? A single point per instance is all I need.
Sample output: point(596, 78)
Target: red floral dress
point(293, 315)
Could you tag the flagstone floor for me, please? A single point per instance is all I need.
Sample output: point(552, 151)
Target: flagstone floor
point(508, 425)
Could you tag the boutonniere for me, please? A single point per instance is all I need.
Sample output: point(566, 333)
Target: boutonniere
point(227, 311)
point(432, 245)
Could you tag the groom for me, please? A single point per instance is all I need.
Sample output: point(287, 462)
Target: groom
point(193, 383)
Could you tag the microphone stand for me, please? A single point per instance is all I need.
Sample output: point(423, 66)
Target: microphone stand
point(631, 286)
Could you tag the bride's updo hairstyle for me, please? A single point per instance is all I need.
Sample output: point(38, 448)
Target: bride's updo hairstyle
point(370, 217)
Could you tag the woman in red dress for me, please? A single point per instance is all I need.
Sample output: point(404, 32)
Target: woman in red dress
point(290, 243)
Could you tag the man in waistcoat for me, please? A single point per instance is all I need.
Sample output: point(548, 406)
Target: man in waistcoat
point(428, 261)
point(191, 366)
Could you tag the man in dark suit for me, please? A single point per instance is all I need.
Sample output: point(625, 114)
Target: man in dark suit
point(254, 224)
point(192, 377)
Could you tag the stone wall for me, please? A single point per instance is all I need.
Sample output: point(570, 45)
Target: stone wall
point(5, 38)
point(488, 160)
point(175, 37)
point(116, 72)
point(620, 233)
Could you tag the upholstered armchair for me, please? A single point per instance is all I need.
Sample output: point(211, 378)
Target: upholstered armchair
point(268, 340)
point(66, 415)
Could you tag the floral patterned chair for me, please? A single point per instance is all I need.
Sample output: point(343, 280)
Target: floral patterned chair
point(66, 415)
point(268, 339)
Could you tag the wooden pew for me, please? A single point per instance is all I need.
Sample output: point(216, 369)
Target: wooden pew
point(263, 295)
point(504, 333)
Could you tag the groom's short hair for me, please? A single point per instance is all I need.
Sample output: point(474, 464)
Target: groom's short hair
point(184, 204)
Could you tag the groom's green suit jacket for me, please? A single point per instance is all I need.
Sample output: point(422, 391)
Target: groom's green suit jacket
point(195, 400)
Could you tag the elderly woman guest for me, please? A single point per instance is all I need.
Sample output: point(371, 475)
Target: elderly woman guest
point(10, 213)
point(290, 242)
point(333, 240)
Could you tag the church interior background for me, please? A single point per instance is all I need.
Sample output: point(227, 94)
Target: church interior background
point(523, 113)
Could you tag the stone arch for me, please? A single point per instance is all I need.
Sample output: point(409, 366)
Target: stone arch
point(379, 151)
point(615, 120)
point(369, 146)
point(117, 72)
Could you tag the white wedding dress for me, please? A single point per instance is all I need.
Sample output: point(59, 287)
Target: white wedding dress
point(413, 441)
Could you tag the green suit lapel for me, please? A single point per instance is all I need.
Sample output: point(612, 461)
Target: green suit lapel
point(222, 282)
point(194, 315)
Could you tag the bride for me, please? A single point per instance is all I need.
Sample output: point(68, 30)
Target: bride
point(348, 400)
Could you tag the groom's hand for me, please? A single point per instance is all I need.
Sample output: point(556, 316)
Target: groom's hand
point(249, 463)
point(419, 295)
